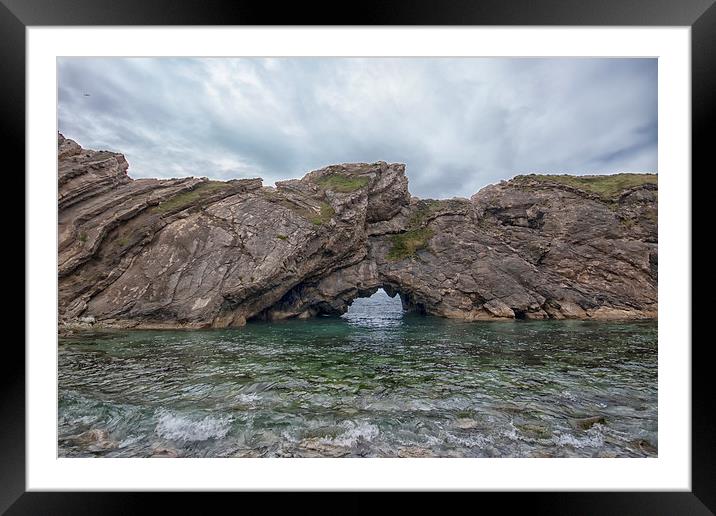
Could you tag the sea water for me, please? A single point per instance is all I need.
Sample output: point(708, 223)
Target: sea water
point(376, 382)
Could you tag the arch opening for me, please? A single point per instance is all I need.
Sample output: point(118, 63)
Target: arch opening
point(333, 299)
point(378, 308)
point(378, 300)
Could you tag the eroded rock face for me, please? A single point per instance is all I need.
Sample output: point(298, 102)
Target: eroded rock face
point(197, 253)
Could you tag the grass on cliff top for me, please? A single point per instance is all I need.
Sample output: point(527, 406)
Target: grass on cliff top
point(186, 199)
point(324, 215)
point(342, 183)
point(408, 243)
point(605, 186)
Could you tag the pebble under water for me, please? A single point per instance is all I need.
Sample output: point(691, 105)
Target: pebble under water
point(373, 383)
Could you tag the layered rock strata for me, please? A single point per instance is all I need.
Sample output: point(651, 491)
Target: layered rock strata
point(196, 253)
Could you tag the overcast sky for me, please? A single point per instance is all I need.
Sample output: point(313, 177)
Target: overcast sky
point(457, 123)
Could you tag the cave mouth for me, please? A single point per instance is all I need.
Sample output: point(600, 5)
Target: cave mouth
point(376, 309)
point(368, 303)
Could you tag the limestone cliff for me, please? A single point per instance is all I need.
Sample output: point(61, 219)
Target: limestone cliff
point(197, 253)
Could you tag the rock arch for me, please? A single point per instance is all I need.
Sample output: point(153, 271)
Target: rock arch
point(196, 253)
point(334, 293)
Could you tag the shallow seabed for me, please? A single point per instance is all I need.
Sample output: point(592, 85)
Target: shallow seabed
point(373, 383)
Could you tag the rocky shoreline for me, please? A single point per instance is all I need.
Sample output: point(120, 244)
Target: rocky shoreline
point(195, 253)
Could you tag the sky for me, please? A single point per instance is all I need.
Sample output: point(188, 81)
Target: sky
point(458, 124)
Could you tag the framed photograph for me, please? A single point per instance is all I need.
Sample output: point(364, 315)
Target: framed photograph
point(416, 249)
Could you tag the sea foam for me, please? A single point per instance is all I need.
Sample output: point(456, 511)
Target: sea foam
point(353, 433)
point(183, 428)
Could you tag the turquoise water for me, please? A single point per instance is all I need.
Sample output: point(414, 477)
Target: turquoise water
point(373, 383)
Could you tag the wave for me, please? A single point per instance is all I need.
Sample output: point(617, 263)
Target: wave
point(594, 438)
point(354, 432)
point(183, 428)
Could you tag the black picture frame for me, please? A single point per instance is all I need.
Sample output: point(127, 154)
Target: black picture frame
point(17, 15)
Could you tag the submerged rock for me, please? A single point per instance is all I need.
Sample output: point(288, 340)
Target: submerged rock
point(96, 440)
point(645, 447)
point(318, 447)
point(534, 430)
point(415, 452)
point(465, 423)
point(194, 253)
point(159, 451)
point(587, 422)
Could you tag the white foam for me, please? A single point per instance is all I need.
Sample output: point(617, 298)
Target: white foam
point(130, 440)
point(248, 399)
point(354, 432)
point(568, 395)
point(471, 441)
point(82, 420)
point(593, 438)
point(512, 433)
point(181, 428)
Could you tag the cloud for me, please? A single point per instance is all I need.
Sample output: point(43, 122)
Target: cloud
point(457, 123)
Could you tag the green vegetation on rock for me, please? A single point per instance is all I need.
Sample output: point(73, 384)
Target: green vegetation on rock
point(607, 186)
point(422, 212)
point(431, 207)
point(304, 208)
point(343, 183)
point(408, 243)
point(186, 199)
point(82, 237)
point(326, 214)
point(282, 237)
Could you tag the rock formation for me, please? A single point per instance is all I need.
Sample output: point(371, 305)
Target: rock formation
point(197, 253)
